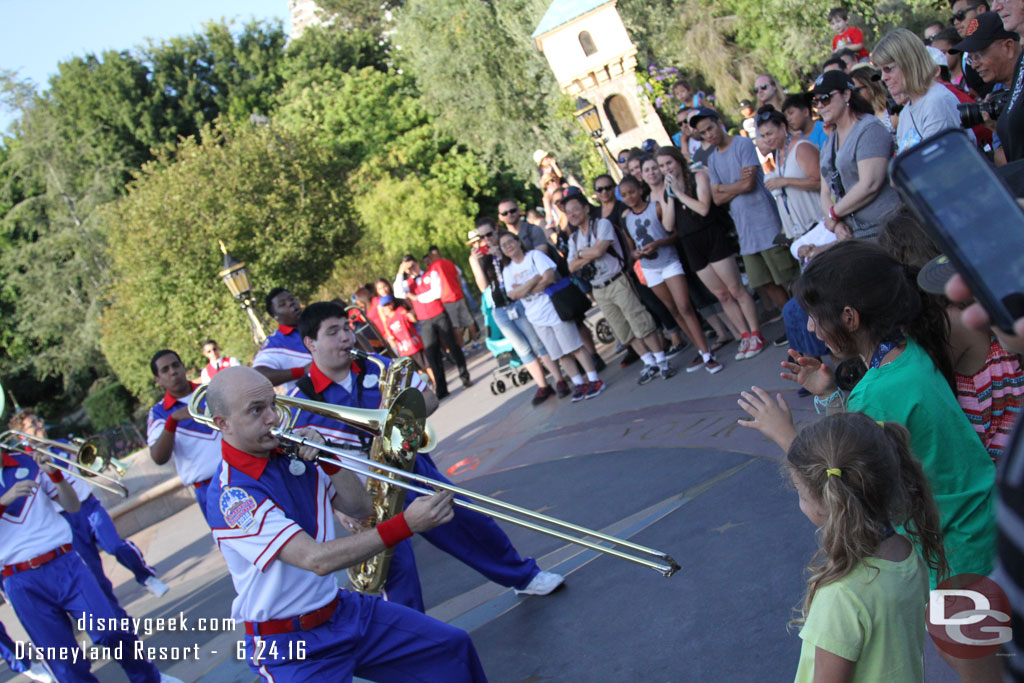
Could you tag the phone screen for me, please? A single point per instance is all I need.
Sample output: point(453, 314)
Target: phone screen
point(980, 225)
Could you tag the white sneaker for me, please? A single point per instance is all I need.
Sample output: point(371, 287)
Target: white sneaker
point(542, 584)
point(156, 586)
point(741, 352)
point(167, 678)
point(38, 673)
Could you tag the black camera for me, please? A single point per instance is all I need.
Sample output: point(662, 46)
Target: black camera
point(970, 112)
point(587, 272)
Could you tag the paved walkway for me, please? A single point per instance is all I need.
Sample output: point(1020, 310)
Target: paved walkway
point(663, 464)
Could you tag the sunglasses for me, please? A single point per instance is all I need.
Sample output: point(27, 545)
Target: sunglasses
point(765, 86)
point(484, 235)
point(962, 14)
point(622, 160)
point(823, 100)
point(763, 117)
point(604, 188)
point(508, 212)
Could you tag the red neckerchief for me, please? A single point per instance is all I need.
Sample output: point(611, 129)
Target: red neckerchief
point(285, 330)
point(169, 400)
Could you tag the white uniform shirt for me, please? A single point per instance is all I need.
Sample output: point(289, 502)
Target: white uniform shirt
point(31, 525)
point(196, 451)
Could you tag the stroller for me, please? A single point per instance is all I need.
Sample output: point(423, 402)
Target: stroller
point(510, 369)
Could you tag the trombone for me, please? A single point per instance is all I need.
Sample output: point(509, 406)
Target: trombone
point(87, 458)
point(401, 425)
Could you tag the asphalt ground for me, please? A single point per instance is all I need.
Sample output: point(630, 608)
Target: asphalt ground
point(662, 464)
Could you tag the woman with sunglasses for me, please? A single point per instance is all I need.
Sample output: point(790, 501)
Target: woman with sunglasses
point(797, 185)
point(909, 73)
point(855, 193)
point(510, 316)
point(867, 81)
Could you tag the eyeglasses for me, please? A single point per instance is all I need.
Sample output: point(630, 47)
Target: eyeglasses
point(962, 14)
point(604, 188)
point(763, 86)
point(823, 100)
point(508, 212)
point(763, 117)
point(484, 235)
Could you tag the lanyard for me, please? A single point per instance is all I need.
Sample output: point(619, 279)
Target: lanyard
point(887, 345)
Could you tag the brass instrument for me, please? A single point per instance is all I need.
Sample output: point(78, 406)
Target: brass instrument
point(395, 427)
point(89, 459)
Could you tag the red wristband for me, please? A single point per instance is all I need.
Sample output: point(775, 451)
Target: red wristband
point(55, 477)
point(394, 530)
point(297, 373)
point(3, 508)
point(170, 425)
point(329, 469)
point(832, 212)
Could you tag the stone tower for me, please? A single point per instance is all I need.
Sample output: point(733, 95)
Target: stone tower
point(592, 56)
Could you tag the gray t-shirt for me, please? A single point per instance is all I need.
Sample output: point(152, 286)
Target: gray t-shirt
point(608, 266)
point(867, 139)
point(532, 236)
point(933, 113)
point(644, 228)
point(757, 220)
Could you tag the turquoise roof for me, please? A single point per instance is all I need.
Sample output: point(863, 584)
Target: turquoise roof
point(563, 11)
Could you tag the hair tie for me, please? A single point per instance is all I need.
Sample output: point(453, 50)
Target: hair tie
point(834, 472)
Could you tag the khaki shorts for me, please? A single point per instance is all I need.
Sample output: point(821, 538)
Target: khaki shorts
point(771, 265)
point(623, 310)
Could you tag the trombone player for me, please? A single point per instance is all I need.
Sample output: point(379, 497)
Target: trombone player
point(473, 538)
point(272, 521)
point(91, 526)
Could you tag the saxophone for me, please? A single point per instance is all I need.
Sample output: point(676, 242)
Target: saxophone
point(388, 499)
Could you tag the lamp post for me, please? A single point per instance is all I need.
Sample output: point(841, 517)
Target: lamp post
point(590, 119)
point(236, 276)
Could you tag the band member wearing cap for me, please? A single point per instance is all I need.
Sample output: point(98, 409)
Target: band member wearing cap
point(211, 350)
point(335, 377)
point(92, 527)
point(272, 520)
point(283, 358)
point(171, 431)
point(46, 581)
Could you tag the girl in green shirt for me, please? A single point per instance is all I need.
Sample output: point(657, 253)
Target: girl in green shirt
point(863, 615)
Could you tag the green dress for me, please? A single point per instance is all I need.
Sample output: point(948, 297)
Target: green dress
point(910, 390)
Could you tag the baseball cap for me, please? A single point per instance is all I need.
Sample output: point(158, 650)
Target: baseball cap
point(935, 274)
point(937, 55)
point(572, 191)
point(703, 113)
point(981, 31)
point(830, 81)
point(385, 300)
point(649, 145)
point(538, 156)
point(745, 104)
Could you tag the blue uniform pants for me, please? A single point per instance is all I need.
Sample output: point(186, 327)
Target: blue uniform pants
point(93, 530)
point(7, 652)
point(372, 639)
point(471, 537)
point(43, 597)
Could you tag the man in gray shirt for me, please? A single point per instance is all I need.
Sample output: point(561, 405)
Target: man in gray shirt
point(532, 236)
point(737, 179)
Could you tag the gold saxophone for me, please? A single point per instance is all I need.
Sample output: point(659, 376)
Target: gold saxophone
point(388, 499)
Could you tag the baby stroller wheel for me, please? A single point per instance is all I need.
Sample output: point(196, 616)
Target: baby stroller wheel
point(524, 377)
point(494, 388)
point(604, 332)
point(513, 377)
point(500, 385)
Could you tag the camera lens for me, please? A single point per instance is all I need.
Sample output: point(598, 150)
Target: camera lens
point(970, 114)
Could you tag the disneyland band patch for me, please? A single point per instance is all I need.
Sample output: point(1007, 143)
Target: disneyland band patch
point(370, 381)
point(237, 507)
point(21, 473)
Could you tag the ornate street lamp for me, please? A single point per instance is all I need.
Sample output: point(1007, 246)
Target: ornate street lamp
point(590, 119)
point(236, 276)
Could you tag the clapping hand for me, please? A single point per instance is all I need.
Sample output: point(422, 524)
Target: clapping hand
point(810, 373)
point(772, 417)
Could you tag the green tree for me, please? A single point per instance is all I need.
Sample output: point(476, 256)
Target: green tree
point(273, 195)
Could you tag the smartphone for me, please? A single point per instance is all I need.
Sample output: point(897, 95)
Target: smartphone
point(972, 216)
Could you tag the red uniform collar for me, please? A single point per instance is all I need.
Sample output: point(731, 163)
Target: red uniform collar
point(322, 381)
point(169, 400)
point(9, 461)
point(285, 330)
point(249, 465)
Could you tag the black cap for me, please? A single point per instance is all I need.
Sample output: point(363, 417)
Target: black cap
point(935, 274)
point(981, 31)
point(831, 81)
point(746, 103)
point(649, 145)
point(572, 191)
point(703, 113)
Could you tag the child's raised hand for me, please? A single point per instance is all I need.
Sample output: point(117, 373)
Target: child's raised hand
point(810, 373)
point(771, 416)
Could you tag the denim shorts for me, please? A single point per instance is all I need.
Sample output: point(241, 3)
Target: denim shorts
point(519, 332)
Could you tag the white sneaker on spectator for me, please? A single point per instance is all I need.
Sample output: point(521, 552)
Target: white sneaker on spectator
point(542, 584)
point(39, 673)
point(755, 345)
point(156, 586)
point(741, 352)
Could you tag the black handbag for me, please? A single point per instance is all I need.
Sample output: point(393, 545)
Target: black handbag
point(569, 301)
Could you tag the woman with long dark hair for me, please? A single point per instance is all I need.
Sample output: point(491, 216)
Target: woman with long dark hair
point(864, 304)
